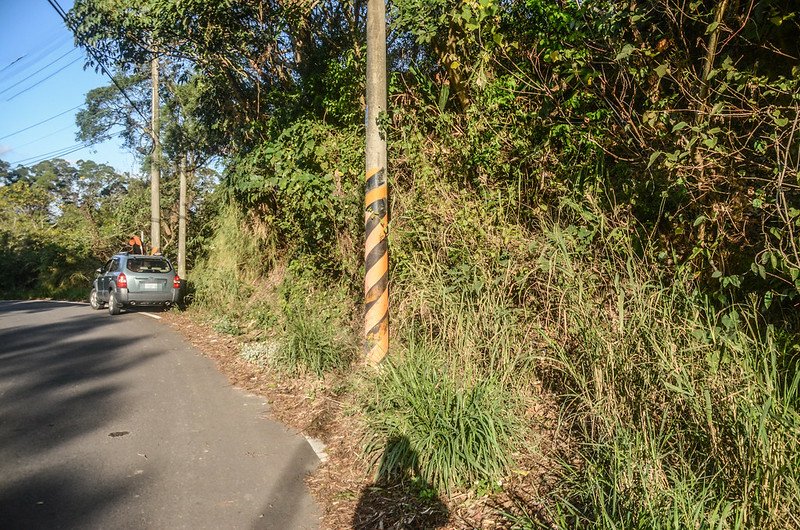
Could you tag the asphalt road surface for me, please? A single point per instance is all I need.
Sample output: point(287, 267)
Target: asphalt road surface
point(115, 422)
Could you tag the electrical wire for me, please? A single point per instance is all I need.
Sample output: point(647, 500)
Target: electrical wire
point(61, 154)
point(55, 5)
point(57, 153)
point(41, 122)
point(35, 56)
point(45, 79)
point(12, 63)
point(70, 126)
point(53, 154)
point(37, 71)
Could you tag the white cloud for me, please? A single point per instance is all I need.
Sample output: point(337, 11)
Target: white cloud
point(5, 149)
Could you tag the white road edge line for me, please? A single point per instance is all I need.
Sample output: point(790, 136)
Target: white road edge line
point(151, 316)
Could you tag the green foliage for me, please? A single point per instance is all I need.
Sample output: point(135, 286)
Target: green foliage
point(687, 416)
point(261, 61)
point(56, 227)
point(425, 421)
point(306, 183)
point(299, 324)
point(315, 337)
point(224, 277)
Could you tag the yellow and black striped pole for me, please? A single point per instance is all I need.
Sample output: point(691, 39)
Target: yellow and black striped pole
point(376, 219)
point(376, 261)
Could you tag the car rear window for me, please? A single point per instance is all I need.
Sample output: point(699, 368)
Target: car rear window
point(148, 265)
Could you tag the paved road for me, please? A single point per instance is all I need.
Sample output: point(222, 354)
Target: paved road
point(115, 422)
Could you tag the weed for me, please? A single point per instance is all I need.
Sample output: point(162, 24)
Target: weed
point(680, 407)
point(227, 326)
point(314, 337)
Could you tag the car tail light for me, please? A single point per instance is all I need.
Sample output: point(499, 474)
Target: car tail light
point(122, 281)
point(176, 282)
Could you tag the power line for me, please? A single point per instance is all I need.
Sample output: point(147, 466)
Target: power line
point(57, 153)
point(12, 63)
point(55, 5)
point(53, 154)
point(41, 122)
point(45, 136)
point(34, 55)
point(37, 71)
point(60, 154)
point(45, 79)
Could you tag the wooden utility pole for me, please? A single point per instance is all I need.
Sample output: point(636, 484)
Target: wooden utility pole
point(155, 162)
point(182, 220)
point(376, 219)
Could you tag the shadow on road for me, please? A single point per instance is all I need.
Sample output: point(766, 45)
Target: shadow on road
point(56, 498)
point(55, 387)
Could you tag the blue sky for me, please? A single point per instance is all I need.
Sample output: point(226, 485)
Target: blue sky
point(42, 86)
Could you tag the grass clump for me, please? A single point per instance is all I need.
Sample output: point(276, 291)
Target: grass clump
point(315, 336)
point(426, 422)
point(311, 345)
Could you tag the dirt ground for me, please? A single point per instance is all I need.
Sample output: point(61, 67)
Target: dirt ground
point(344, 485)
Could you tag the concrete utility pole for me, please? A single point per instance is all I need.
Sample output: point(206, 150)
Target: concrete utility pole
point(182, 221)
point(155, 163)
point(376, 219)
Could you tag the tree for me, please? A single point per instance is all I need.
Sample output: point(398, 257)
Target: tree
point(57, 222)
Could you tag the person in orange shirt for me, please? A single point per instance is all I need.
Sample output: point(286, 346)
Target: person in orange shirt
point(136, 245)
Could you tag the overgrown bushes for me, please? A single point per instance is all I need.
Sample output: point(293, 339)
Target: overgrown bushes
point(686, 413)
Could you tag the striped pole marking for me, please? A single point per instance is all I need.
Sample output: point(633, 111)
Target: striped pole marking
point(376, 262)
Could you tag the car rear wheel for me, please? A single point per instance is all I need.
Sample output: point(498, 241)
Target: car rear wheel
point(94, 301)
point(113, 304)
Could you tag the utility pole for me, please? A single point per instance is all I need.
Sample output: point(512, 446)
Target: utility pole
point(182, 220)
point(376, 201)
point(155, 162)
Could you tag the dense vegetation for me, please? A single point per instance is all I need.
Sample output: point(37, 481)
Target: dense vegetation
point(595, 211)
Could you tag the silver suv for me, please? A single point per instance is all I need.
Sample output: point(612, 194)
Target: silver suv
point(135, 280)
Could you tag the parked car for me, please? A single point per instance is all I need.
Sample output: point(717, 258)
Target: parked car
point(135, 280)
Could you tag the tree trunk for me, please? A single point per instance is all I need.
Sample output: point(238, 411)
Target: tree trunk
point(711, 55)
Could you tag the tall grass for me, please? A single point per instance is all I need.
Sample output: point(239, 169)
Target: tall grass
point(426, 421)
point(314, 333)
point(686, 414)
point(240, 253)
point(449, 408)
point(681, 411)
